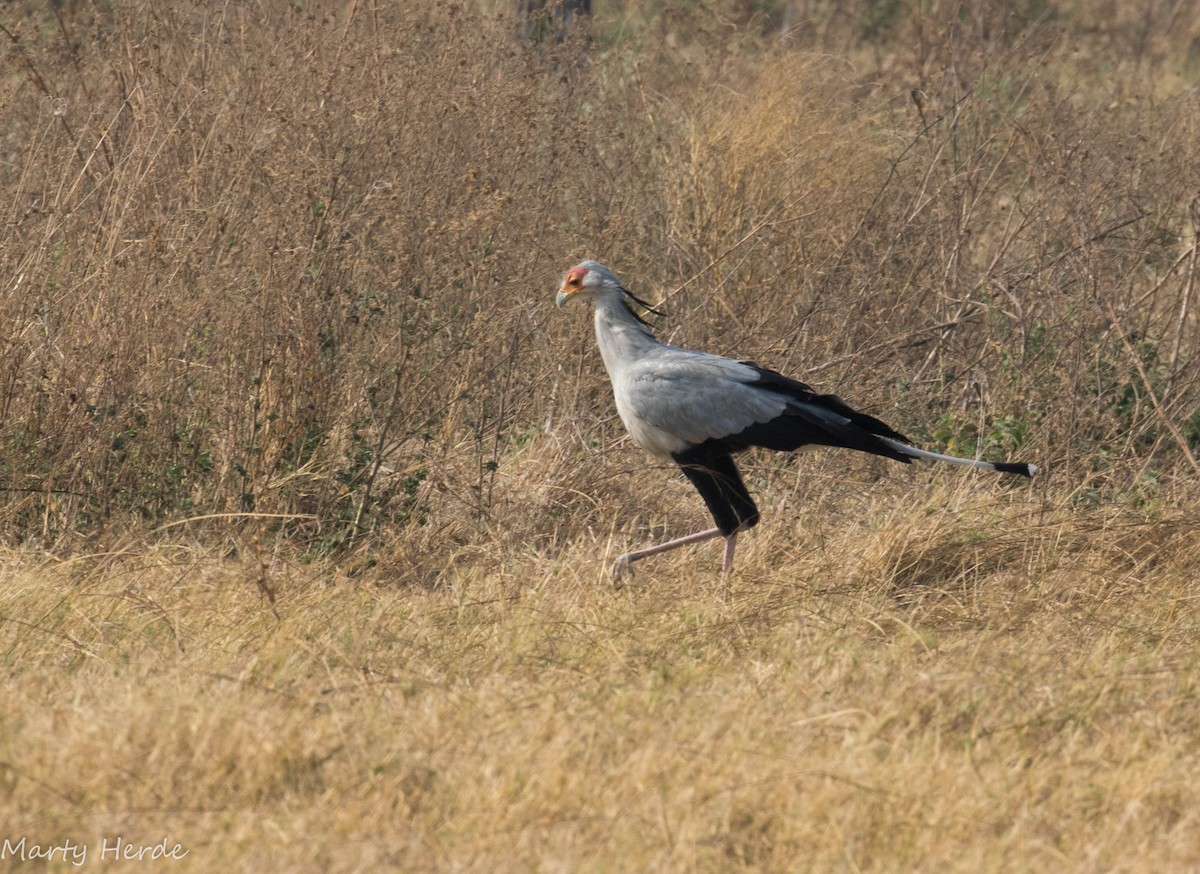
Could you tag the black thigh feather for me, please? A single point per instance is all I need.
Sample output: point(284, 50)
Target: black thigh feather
point(711, 470)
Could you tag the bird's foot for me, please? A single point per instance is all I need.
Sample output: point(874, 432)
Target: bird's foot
point(622, 567)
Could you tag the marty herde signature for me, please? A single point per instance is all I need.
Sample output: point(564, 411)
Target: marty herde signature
point(115, 849)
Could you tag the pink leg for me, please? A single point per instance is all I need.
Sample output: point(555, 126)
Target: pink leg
point(730, 545)
point(624, 564)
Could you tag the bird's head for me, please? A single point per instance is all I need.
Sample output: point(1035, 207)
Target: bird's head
point(589, 278)
point(592, 279)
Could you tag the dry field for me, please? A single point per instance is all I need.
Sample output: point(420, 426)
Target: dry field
point(307, 492)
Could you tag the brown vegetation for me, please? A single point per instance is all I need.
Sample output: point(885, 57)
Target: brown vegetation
point(307, 492)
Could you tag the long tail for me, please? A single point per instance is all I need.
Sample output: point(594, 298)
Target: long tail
point(998, 466)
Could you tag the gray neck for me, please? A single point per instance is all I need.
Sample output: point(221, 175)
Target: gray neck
point(621, 337)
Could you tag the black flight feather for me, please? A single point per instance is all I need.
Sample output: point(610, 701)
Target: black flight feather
point(813, 419)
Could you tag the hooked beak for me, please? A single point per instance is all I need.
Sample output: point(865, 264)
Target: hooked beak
point(561, 298)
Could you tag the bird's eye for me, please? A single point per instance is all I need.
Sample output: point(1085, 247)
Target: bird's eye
point(574, 280)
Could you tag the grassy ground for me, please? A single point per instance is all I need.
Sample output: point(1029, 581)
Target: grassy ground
point(936, 681)
point(307, 495)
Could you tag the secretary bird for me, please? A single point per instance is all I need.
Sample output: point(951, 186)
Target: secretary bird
point(698, 409)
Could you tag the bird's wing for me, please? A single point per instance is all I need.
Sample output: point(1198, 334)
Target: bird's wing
point(676, 399)
point(696, 397)
point(830, 408)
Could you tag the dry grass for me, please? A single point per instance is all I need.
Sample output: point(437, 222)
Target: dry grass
point(306, 494)
point(898, 691)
